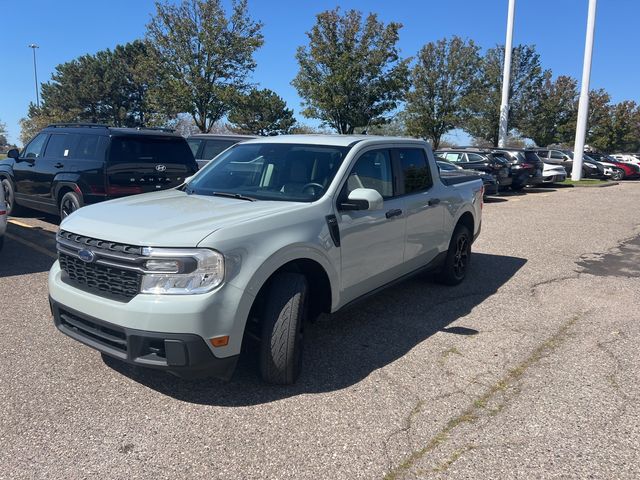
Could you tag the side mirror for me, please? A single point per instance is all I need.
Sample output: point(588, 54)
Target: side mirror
point(13, 153)
point(363, 199)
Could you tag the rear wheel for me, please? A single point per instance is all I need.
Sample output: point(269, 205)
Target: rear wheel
point(69, 203)
point(10, 197)
point(282, 329)
point(458, 257)
point(517, 187)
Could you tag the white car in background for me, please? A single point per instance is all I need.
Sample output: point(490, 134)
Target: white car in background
point(552, 173)
point(3, 217)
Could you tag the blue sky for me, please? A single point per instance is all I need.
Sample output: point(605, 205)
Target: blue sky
point(65, 29)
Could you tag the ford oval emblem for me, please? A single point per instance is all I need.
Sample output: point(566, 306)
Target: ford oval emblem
point(86, 256)
point(161, 168)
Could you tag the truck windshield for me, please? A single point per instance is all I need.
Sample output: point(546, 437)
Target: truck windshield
point(271, 171)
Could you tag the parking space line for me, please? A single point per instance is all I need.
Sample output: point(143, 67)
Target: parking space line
point(32, 245)
point(19, 223)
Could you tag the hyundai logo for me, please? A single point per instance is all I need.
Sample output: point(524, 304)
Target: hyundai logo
point(86, 256)
point(161, 168)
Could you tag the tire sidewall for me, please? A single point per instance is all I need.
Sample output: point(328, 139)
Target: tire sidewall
point(75, 199)
point(9, 194)
point(448, 274)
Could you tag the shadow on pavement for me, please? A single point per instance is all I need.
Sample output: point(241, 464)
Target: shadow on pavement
point(18, 258)
point(495, 199)
point(344, 348)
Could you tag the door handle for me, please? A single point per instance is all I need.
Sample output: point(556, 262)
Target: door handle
point(393, 213)
point(434, 201)
point(59, 165)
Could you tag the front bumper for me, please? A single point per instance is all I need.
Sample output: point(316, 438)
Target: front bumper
point(185, 355)
point(222, 312)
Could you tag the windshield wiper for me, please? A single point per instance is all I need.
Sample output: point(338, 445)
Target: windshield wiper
point(233, 195)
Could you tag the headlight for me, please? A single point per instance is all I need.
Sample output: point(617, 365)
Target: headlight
point(181, 271)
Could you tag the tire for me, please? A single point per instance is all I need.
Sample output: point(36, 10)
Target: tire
point(69, 203)
point(618, 174)
point(458, 257)
point(10, 197)
point(517, 187)
point(282, 329)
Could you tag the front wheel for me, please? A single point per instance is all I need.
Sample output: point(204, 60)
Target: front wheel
point(69, 203)
point(458, 257)
point(9, 197)
point(617, 174)
point(282, 329)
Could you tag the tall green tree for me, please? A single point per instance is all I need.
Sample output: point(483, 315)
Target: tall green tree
point(3, 134)
point(445, 74)
point(351, 73)
point(261, 112)
point(118, 87)
point(553, 113)
point(526, 83)
point(207, 55)
point(618, 130)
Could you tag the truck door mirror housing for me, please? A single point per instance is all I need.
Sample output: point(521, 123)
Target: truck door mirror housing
point(13, 153)
point(363, 199)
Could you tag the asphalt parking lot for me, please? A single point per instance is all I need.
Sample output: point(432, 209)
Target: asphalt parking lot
point(529, 369)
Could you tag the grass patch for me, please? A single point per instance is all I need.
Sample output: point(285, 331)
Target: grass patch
point(3, 156)
point(584, 181)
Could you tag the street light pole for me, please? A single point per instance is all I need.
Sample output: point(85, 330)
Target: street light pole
point(583, 106)
point(506, 77)
point(33, 46)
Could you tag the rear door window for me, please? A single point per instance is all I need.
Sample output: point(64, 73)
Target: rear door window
point(59, 145)
point(35, 147)
point(415, 170)
point(87, 147)
point(474, 157)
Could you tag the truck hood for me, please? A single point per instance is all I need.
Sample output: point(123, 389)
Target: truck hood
point(169, 218)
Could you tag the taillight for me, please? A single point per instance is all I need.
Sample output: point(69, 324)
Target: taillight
point(526, 165)
point(123, 190)
point(3, 212)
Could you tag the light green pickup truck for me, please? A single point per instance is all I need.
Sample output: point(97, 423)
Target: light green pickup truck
point(271, 233)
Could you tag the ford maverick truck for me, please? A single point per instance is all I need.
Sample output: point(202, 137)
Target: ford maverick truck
point(271, 233)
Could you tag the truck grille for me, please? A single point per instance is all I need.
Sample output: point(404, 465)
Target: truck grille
point(100, 278)
point(113, 270)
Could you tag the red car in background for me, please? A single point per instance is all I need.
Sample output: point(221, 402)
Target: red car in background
point(630, 170)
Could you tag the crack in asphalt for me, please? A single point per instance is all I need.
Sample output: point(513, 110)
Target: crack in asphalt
point(478, 407)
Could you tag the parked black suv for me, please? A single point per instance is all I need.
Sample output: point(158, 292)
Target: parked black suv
point(67, 166)
point(526, 167)
point(481, 160)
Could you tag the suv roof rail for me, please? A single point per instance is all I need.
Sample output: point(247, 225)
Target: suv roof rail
point(161, 129)
point(77, 124)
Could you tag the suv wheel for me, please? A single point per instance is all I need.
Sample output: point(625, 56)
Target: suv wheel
point(69, 203)
point(9, 197)
point(456, 263)
point(282, 329)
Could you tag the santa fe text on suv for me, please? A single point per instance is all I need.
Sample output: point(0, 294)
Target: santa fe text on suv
point(271, 233)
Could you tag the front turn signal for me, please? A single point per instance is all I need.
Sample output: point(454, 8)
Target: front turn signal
point(220, 341)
